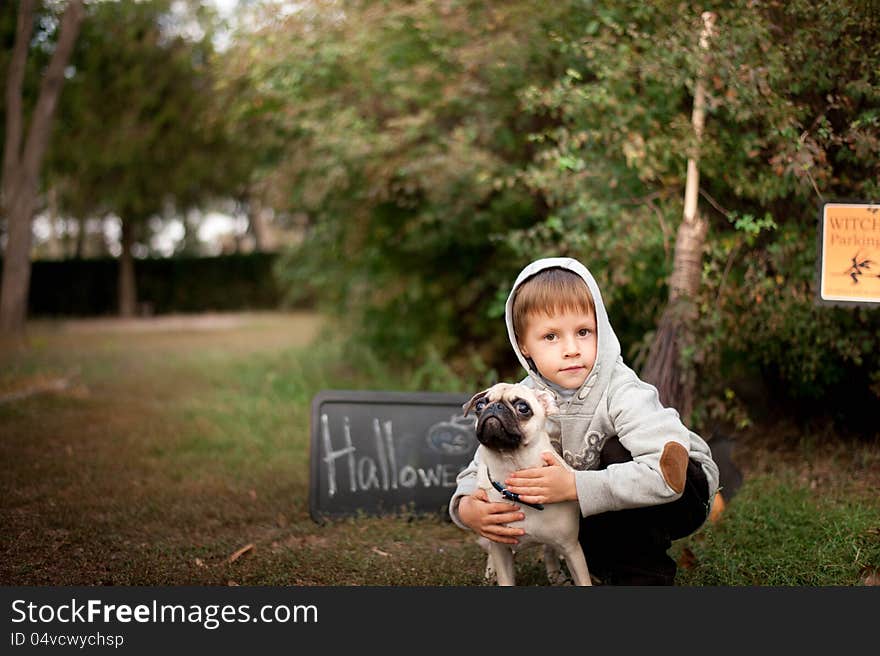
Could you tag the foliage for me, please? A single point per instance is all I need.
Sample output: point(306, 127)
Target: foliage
point(806, 133)
point(405, 120)
point(135, 131)
point(438, 148)
point(774, 138)
point(763, 316)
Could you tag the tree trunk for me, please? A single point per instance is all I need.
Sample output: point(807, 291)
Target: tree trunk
point(127, 287)
point(664, 367)
point(16, 265)
point(22, 158)
point(189, 243)
point(81, 227)
point(258, 220)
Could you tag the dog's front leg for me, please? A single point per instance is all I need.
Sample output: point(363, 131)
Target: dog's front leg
point(502, 559)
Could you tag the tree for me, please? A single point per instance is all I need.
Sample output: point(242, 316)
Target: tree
point(438, 147)
point(403, 136)
point(140, 134)
point(791, 98)
point(23, 156)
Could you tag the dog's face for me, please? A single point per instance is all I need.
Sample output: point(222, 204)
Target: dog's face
point(510, 416)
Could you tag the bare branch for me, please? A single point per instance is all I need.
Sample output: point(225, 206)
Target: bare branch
point(714, 203)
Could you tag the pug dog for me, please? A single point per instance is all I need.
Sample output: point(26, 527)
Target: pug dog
point(513, 429)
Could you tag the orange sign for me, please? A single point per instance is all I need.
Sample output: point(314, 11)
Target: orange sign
point(849, 257)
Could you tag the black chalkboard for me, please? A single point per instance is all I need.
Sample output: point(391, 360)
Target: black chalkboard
point(386, 453)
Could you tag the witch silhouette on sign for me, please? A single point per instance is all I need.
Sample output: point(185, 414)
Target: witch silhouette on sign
point(858, 268)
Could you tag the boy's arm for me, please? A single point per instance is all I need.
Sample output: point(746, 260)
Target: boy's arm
point(467, 485)
point(658, 442)
point(486, 518)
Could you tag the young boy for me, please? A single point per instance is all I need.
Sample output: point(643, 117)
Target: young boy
point(642, 478)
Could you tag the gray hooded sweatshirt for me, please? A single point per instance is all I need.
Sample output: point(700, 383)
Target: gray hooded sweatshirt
point(612, 401)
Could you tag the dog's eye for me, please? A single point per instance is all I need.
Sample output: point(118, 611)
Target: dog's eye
point(480, 405)
point(523, 408)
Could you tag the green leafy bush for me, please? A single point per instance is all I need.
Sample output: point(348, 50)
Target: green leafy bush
point(438, 151)
point(762, 319)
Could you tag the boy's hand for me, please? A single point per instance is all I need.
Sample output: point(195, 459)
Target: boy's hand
point(489, 519)
point(548, 484)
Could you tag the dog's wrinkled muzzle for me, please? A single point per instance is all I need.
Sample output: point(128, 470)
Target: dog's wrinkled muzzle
point(496, 430)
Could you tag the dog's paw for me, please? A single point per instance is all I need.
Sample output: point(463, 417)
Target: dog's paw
point(490, 576)
point(554, 564)
point(559, 577)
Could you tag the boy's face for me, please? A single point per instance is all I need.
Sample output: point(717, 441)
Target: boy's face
point(562, 346)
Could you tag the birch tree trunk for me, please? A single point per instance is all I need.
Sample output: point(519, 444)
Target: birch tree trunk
point(22, 157)
point(664, 367)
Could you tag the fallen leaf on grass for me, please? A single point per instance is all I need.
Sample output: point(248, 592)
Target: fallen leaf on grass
point(238, 554)
point(380, 552)
point(718, 506)
point(871, 576)
point(200, 562)
point(687, 560)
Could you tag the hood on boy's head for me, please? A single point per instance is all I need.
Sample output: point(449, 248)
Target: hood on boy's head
point(608, 348)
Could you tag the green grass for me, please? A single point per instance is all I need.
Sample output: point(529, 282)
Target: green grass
point(779, 533)
point(171, 450)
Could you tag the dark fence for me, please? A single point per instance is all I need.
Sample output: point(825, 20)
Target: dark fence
point(164, 285)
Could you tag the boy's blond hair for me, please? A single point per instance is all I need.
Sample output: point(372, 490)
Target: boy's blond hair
point(550, 292)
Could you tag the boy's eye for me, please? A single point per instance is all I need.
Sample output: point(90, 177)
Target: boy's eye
point(583, 332)
point(550, 337)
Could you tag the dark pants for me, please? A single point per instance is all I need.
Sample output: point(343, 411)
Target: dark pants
point(629, 547)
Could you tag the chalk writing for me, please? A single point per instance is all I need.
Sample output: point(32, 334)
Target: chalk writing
point(386, 452)
point(365, 472)
point(332, 455)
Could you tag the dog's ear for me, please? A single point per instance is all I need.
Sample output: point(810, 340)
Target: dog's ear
point(548, 401)
point(467, 407)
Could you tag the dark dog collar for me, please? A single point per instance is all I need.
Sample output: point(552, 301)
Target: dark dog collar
point(512, 496)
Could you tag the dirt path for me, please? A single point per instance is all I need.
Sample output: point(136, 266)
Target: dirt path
point(176, 322)
point(126, 442)
point(258, 329)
